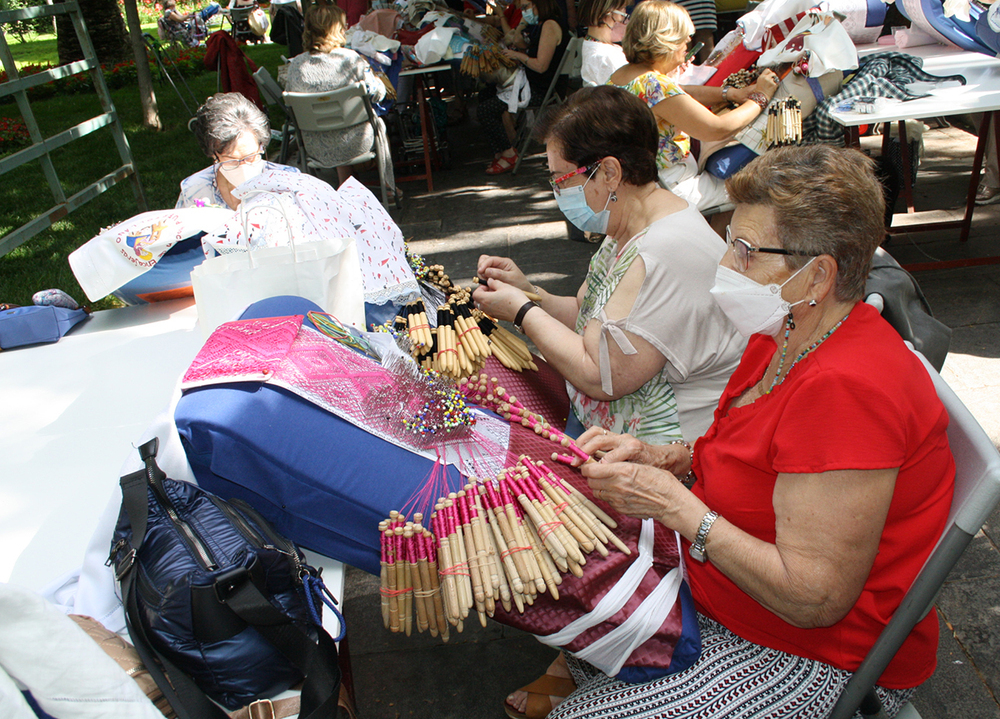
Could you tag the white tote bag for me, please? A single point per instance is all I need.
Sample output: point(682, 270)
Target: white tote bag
point(326, 271)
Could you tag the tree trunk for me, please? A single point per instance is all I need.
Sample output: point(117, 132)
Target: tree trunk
point(150, 115)
point(107, 33)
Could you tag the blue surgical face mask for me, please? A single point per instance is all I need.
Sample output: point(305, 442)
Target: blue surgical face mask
point(573, 203)
point(530, 16)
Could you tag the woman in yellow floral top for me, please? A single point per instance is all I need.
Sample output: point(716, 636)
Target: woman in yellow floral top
point(656, 40)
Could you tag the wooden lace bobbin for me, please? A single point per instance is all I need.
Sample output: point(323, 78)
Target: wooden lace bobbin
point(426, 543)
point(416, 580)
point(562, 510)
point(510, 551)
point(574, 539)
point(394, 624)
point(519, 549)
point(583, 518)
point(454, 610)
point(384, 573)
point(551, 542)
point(469, 546)
point(549, 525)
point(471, 330)
point(603, 522)
point(491, 580)
point(404, 584)
point(550, 572)
point(478, 556)
point(536, 571)
point(508, 570)
point(429, 589)
point(463, 578)
point(497, 573)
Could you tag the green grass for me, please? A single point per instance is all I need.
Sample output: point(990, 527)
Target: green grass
point(163, 159)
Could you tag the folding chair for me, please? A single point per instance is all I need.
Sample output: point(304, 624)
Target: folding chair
point(239, 23)
point(569, 66)
point(270, 93)
point(338, 110)
point(977, 491)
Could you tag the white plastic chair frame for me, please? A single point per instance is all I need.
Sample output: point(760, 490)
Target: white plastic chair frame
point(337, 110)
point(569, 66)
point(271, 94)
point(977, 492)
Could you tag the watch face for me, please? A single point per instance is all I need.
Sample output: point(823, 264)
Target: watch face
point(696, 553)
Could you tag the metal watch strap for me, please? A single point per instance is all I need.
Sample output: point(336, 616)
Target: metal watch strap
point(519, 317)
point(697, 549)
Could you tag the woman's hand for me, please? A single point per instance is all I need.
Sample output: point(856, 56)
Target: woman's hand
point(767, 83)
point(674, 458)
point(637, 490)
point(503, 269)
point(514, 55)
point(499, 299)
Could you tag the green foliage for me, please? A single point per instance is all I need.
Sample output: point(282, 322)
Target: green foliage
point(163, 159)
point(22, 29)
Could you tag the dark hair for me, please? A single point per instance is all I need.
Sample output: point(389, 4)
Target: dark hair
point(826, 201)
point(548, 10)
point(606, 121)
point(223, 117)
point(592, 12)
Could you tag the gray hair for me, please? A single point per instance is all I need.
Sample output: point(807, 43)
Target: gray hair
point(223, 117)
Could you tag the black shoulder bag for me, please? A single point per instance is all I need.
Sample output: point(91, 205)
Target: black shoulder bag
point(216, 597)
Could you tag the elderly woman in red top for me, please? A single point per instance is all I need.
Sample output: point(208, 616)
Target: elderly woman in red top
point(824, 481)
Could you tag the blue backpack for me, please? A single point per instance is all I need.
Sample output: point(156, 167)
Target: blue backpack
point(217, 598)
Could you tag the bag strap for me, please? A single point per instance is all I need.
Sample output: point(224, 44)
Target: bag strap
point(316, 660)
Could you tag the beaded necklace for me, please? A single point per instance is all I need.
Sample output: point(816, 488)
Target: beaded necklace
point(596, 39)
point(778, 378)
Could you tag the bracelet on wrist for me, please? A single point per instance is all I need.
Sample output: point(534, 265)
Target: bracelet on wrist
point(689, 478)
point(759, 98)
point(725, 93)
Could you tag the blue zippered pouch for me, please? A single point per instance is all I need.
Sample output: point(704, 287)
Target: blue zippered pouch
point(36, 324)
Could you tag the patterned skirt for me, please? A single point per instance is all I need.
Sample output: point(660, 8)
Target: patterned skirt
point(733, 679)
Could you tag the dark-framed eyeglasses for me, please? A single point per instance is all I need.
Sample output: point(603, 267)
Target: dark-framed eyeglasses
point(742, 250)
point(586, 169)
point(251, 158)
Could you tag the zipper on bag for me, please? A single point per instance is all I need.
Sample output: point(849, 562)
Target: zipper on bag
point(195, 543)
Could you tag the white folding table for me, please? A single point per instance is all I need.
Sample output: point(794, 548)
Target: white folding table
point(981, 94)
point(70, 414)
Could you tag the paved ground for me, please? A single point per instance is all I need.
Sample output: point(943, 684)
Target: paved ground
point(469, 214)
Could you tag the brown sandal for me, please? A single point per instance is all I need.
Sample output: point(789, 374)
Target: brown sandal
point(539, 704)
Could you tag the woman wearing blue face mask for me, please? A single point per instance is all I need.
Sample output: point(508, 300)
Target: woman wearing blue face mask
point(824, 481)
point(538, 46)
point(643, 346)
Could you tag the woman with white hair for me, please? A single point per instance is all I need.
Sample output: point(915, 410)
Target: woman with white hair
point(233, 132)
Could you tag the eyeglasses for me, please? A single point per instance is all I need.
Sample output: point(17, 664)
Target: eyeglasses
point(620, 16)
point(569, 175)
point(742, 249)
point(233, 164)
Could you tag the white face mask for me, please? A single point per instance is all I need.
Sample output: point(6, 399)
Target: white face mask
point(753, 308)
point(244, 172)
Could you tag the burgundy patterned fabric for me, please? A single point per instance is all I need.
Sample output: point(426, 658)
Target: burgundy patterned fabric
point(542, 392)
point(580, 596)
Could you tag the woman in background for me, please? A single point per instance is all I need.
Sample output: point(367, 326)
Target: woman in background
point(539, 50)
point(655, 43)
point(233, 132)
point(602, 53)
point(328, 65)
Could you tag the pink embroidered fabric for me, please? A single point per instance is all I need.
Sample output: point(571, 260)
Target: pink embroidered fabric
point(284, 352)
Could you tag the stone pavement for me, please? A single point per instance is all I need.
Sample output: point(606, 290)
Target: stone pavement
point(471, 213)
